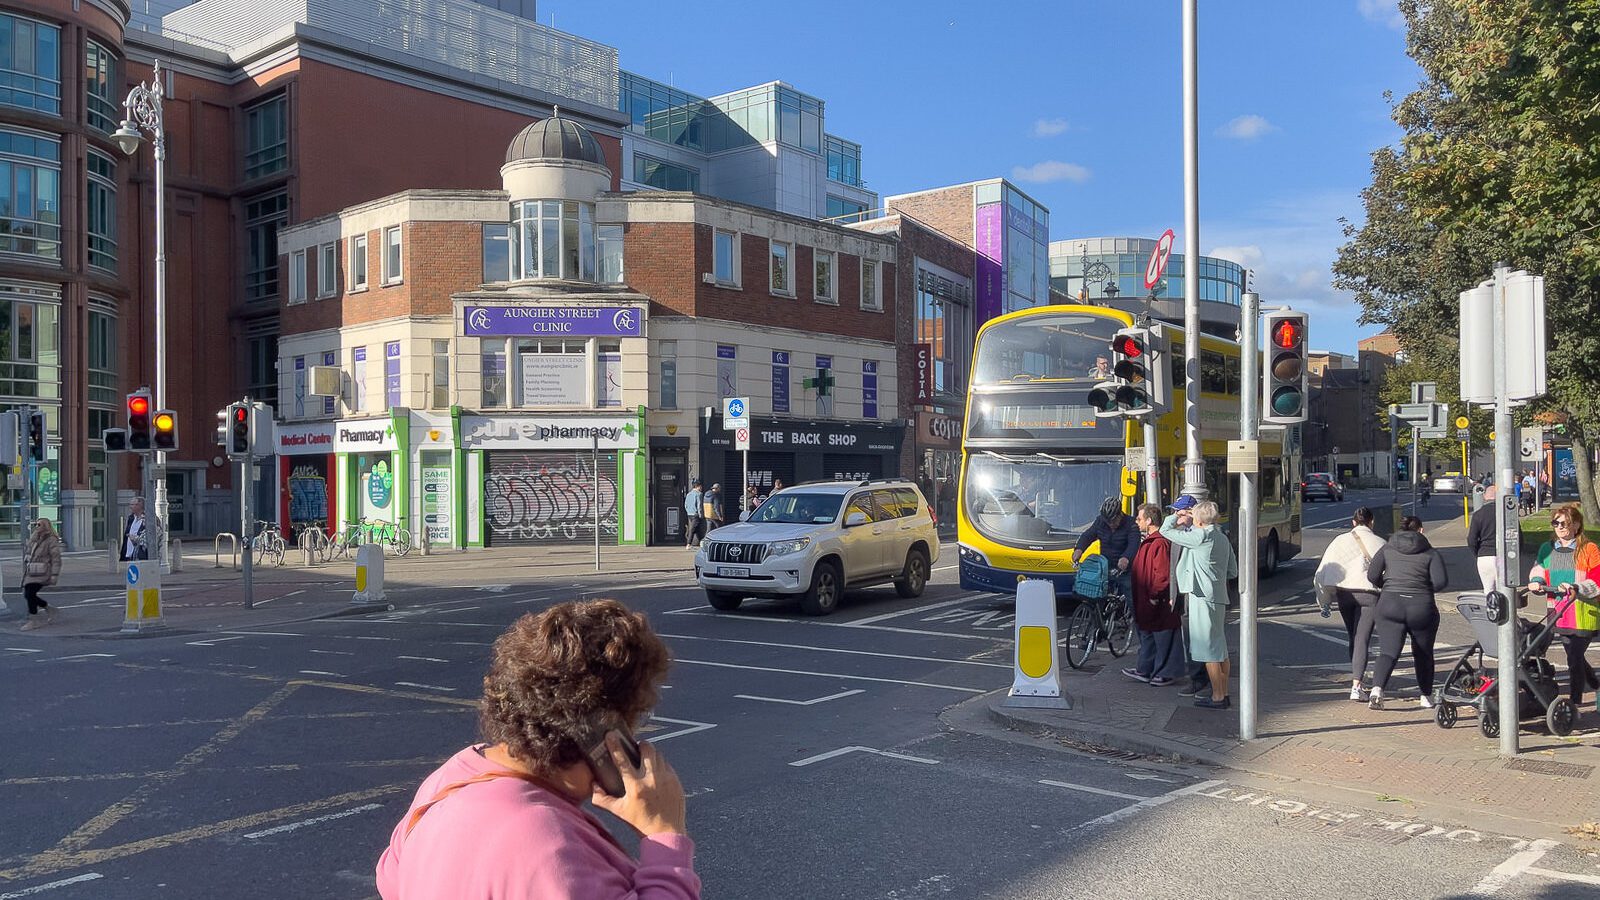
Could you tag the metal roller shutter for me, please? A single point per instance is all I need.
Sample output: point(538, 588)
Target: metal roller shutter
point(852, 466)
point(764, 469)
point(549, 497)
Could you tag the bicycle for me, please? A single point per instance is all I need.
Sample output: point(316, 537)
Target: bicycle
point(1108, 618)
point(317, 540)
point(392, 537)
point(339, 545)
point(268, 543)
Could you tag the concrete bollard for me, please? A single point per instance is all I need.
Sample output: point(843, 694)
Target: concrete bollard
point(1036, 672)
point(369, 592)
point(143, 609)
point(177, 556)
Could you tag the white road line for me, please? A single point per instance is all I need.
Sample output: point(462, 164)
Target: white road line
point(526, 600)
point(1148, 803)
point(1093, 790)
point(292, 594)
point(1562, 876)
point(688, 728)
point(301, 824)
point(424, 658)
point(942, 687)
point(943, 568)
point(41, 888)
point(429, 687)
point(24, 650)
point(82, 656)
point(703, 611)
point(932, 659)
point(98, 600)
point(333, 652)
point(1507, 871)
point(319, 672)
point(812, 702)
point(212, 642)
point(470, 644)
point(906, 612)
point(698, 607)
point(1324, 634)
point(843, 750)
point(267, 633)
point(456, 609)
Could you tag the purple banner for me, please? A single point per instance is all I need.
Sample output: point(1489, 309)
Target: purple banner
point(991, 271)
point(780, 381)
point(556, 321)
point(329, 359)
point(869, 389)
point(391, 373)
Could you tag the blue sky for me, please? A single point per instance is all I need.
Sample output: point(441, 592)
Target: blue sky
point(1078, 102)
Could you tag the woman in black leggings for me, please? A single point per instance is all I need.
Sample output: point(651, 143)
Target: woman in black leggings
point(1407, 572)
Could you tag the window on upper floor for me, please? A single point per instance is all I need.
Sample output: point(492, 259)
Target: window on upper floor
point(782, 270)
point(266, 137)
point(297, 277)
point(100, 86)
point(441, 374)
point(668, 351)
point(497, 247)
point(391, 255)
point(30, 194)
point(840, 207)
point(102, 358)
point(664, 176)
point(263, 216)
point(871, 289)
point(492, 355)
point(328, 270)
point(357, 275)
point(725, 257)
point(555, 239)
point(608, 240)
point(100, 200)
point(263, 375)
point(824, 275)
point(358, 378)
point(30, 64)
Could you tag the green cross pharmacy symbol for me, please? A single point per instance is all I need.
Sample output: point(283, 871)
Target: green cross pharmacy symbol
point(823, 383)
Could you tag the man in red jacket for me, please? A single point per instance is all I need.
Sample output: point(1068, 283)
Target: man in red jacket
point(1161, 659)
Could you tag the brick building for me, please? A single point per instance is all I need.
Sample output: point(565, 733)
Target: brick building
point(1375, 356)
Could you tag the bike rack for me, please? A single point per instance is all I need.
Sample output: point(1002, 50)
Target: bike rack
point(309, 556)
point(216, 549)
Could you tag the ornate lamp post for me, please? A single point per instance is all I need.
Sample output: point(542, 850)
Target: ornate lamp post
point(143, 108)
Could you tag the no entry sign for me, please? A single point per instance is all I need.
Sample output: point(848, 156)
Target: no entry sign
point(1157, 266)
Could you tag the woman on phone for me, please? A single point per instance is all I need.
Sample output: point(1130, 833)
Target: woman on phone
point(504, 819)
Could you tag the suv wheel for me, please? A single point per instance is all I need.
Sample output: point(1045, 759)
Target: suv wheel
point(724, 600)
point(823, 596)
point(915, 575)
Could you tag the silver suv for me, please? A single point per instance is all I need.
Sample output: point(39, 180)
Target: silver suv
point(814, 540)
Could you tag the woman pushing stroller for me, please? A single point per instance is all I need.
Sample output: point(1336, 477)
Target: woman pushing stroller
point(1571, 560)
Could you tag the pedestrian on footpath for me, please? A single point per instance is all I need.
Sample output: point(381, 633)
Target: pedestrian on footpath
point(693, 508)
point(1118, 540)
point(1571, 561)
point(1203, 572)
point(504, 819)
point(713, 509)
point(135, 534)
point(41, 567)
point(1161, 659)
point(752, 499)
point(1529, 494)
point(1407, 571)
point(1341, 577)
point(1480, 540)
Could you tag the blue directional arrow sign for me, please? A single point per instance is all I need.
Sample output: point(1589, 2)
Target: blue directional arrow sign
point(133, 575)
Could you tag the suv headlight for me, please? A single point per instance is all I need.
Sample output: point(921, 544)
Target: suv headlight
point(783, 548)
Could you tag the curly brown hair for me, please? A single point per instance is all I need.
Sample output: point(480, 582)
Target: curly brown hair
point(554, 673)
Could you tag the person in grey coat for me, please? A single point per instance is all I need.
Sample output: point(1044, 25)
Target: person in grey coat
point(1407, 571)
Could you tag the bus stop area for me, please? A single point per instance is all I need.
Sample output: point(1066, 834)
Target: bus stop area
point(1315, 745)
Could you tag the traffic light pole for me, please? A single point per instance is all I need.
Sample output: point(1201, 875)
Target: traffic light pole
point(1194, 465)
point(1507, 528)
point(246, 536)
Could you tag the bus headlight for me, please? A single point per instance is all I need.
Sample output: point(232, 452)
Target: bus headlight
point(970, 555)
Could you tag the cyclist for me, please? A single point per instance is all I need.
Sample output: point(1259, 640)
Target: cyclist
point(1118, 540)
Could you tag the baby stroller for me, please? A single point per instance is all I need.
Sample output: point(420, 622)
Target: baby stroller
point(1472, 682)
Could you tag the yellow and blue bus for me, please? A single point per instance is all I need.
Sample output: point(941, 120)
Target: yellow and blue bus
point(1037, 463)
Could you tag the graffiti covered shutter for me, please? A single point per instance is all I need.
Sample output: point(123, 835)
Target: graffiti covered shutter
point(549, 497)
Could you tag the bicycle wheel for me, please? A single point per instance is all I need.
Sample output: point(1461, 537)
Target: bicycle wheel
point(402, 542)
point(1082, 629)
point(1120, 627)
point(275, 549)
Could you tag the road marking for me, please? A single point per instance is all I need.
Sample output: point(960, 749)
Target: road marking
point(24, 650)
point(906, 612)
point(470, 644)
point(527, 600)
point(424, 658)
point(1149, 803)
point(492, 588)
point(212, 642)
point(455, 609)
point(270, 633)
point(366, 807)
point(934, 659)
point(703, 611)
point(96, 600)
point(688, 728)
point(1319, 633)
point(41, 888)
point(333, 652)
point(319, 672)
point(843, 750)
point(699, 607)
point(1140, 776)
point(1507, 871)
point(1562, 876)
point(426, 687)
point(82, 656)
point(1092, 790)
point(813, 702)
point(942, 687)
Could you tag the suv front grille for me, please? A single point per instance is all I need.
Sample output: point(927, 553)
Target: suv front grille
point(738, 554)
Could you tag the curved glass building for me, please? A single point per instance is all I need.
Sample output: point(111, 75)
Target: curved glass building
point(1110, 271)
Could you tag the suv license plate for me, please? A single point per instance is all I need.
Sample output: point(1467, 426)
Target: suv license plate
point(732, 572)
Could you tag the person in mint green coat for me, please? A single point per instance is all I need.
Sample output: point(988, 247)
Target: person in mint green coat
point(1203, 572)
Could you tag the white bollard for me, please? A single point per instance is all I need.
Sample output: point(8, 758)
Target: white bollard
point(1036, 678)
point(369, 577)
point(143, 609)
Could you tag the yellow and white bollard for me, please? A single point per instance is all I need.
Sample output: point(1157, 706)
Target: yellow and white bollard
point(143, 581)
point(1036, 678)
point(369, 578)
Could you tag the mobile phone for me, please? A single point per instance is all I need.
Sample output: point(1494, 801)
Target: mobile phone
point(598, 755)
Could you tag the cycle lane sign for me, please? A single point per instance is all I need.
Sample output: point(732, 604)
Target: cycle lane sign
point(736, 413)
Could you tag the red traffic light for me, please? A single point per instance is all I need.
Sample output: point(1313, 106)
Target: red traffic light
point(1128, 346)
point(1287, 333)
point(138, 404)
point(240, 414)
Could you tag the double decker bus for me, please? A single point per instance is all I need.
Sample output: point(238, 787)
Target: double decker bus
point(1037, 463)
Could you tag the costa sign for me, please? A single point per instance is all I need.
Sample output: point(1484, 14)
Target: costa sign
point(922, 354)
point(940, 429)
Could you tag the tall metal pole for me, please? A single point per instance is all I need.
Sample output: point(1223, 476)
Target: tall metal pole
point(247, 467)
point(1249, 515)
point(1416, 438)
point(596, 451)
point(1394, 473)
point(1194, 466)
point(1506, 526)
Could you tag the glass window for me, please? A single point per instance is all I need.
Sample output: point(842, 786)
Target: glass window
point(664, 175)
point(838, 206)
point(608, 374)
point(391, 255)
point(30, 64)
point(358, 378)
point(609, 240)
point(30, 194)
point(585, 242)
point(550, 238)
point(264, 368)
point(725, 257)
point(669, 374)
point(555, 239)
point(1035, 499)
point(570, 257)
point(327, 270)
point(297, 276)
point(441, 374)
point(358, 263)
point(823, 280)
point(266, 137)
point(870, 293)
point(863, 503)
point(493, 354)
point(101, 203)
point(1213, 373)
point(1065, 346)
point(263, 216)
point(101, 83)
point(497, 244)
point(102, 358)
point(782, 276)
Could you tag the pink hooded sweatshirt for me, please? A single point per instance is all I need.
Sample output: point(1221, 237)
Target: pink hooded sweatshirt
point(509, 839)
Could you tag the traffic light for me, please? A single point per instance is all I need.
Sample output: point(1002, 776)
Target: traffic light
point(166, 429)
point(36, 436)
point(116, 440)
point(240, 424)
point(222, 427)
point(139, 438)
point(1284, 385)
point(1128, 393)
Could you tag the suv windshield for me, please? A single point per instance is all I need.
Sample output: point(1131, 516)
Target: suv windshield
point(798, 508)
point(1037, 500)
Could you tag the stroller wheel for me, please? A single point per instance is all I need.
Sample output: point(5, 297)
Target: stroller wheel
point(1444, 715)
point(1560, 716)
point(1489, 720)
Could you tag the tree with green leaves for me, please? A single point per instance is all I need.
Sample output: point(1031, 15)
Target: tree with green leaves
point(1500, 161)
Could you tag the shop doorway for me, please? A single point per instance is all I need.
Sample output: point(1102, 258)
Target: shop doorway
point(669, 482)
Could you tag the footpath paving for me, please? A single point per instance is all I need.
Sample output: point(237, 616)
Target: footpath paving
point(1310, 733)
point(90, 597)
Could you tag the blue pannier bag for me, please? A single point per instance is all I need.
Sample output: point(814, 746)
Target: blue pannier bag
point(1094, 575)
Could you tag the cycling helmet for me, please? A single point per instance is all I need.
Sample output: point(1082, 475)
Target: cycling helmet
point(1111, 507)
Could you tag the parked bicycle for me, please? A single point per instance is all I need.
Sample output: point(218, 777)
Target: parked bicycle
point(268, 544)
point(317, 540)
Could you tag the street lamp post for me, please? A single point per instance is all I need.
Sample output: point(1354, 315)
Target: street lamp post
point(143, 114)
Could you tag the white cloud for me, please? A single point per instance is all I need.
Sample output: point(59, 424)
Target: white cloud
point(1248, 256)
point(1049, 127)
point(1050, 170)
point(1246, 128)
point(1384, 12)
